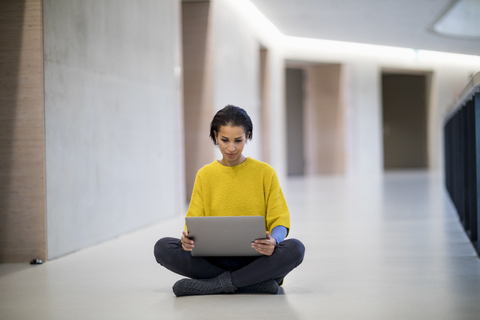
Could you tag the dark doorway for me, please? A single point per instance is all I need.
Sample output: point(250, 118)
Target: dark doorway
point(404, 102)
point(294, 98)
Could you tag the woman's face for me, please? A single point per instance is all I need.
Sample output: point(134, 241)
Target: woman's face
point(231, 141)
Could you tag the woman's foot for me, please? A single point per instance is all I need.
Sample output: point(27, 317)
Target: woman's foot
point(190, 287)
point(268, 286)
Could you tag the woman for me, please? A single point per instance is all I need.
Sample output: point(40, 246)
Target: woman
point(238, 186)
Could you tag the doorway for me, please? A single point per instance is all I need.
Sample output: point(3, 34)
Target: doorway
point(315, 119)
point(294, 78)
point(404, 100)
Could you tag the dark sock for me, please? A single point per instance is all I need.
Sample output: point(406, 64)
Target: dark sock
point(268, 286)
point(189, 287)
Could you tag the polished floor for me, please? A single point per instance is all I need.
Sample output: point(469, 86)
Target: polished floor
point(386, 248)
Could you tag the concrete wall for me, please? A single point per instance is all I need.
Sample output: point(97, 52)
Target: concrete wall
point(113, 125)
point(22, 140)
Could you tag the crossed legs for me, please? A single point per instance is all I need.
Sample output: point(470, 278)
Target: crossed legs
point(240, 272)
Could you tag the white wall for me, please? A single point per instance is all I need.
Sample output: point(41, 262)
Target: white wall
point(113, 118)
point(365, 134)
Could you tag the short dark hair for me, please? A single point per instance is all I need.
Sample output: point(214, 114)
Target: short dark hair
point(231, 116)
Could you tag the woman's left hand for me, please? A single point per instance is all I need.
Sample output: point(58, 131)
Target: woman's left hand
point(265, 246)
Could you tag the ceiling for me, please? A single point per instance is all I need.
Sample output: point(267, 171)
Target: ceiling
point(398, 23)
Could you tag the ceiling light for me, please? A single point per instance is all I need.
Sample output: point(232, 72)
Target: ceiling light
point(460, 20)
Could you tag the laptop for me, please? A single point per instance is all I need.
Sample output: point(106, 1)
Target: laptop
point(225, 236)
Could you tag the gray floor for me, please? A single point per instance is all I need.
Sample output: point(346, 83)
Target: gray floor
point(389, 248)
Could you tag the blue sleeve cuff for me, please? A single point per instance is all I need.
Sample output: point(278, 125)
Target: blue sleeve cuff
point(279, 233)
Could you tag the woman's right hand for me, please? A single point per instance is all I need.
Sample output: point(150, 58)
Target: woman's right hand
point(187, 244)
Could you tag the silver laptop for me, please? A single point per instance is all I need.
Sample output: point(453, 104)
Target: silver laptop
point(225, 236)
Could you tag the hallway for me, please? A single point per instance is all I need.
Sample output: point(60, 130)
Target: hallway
point(386, 248)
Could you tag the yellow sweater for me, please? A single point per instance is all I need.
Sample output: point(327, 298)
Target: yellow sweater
point(248, 189)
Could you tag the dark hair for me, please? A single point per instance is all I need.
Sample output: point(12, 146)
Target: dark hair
point(231, 116)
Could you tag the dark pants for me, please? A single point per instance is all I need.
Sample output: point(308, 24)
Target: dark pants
point(244, 270)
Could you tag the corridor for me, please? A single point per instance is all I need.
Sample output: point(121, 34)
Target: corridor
point(376, 248)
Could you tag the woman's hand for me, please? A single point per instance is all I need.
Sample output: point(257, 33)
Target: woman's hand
point(187, 244)
point(265, 246)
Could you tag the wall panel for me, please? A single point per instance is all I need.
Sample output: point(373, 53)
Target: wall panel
point(22, 152)
point(198, 88)
point(324, 120)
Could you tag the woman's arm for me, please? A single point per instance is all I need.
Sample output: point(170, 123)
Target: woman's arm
point(279, 233)
point(277, 213)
